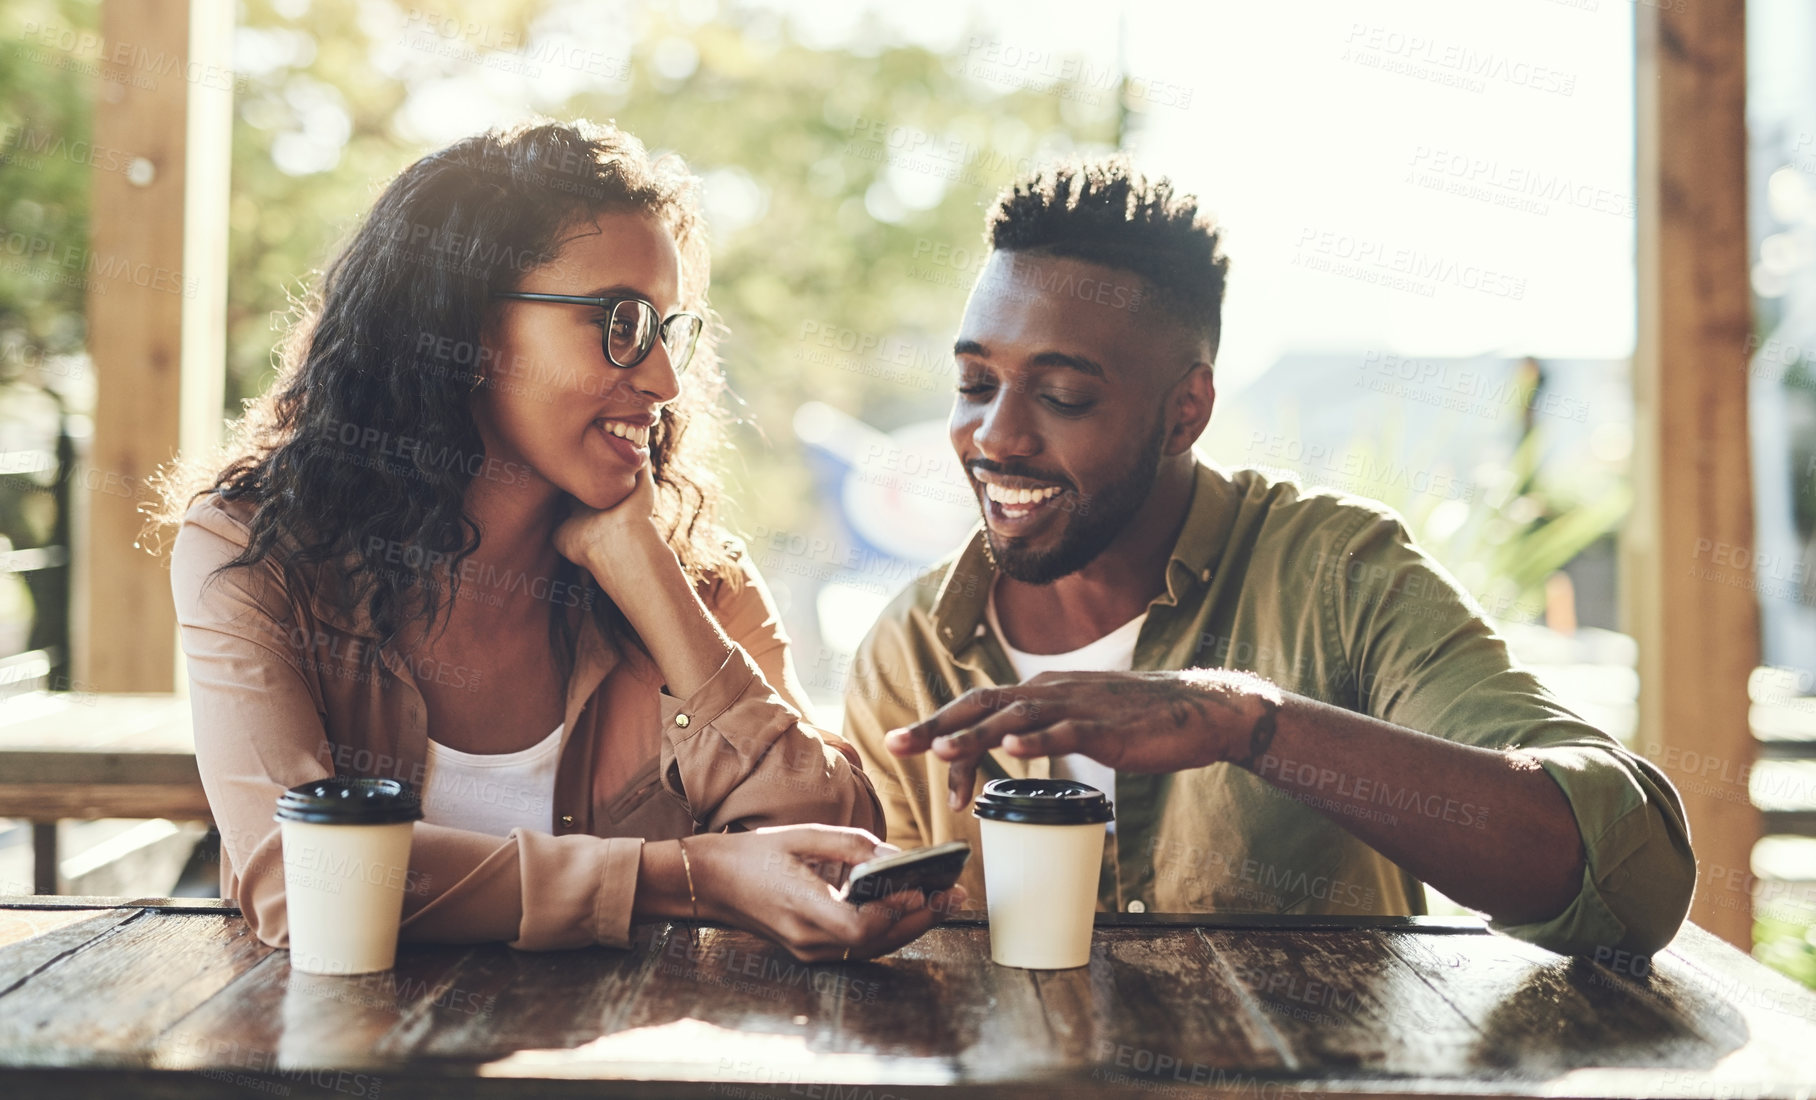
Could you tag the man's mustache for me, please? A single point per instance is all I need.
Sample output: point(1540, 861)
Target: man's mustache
point(1030, 473)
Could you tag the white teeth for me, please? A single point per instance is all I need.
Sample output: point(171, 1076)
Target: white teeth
point(1003, 495)
point(637, 434)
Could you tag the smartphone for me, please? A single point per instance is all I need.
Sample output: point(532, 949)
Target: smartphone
point(928, 870)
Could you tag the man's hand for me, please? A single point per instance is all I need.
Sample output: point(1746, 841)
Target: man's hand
point(1148, 722)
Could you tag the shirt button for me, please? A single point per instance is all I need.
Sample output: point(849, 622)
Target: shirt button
point(682, 720)
point(567, 821)
point(1137, 906)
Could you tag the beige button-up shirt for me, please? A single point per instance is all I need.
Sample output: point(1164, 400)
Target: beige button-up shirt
point(281, 696)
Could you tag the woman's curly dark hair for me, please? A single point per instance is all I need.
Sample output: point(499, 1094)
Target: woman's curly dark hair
point(388, 350)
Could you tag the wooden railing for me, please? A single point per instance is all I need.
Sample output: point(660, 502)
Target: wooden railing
point(45, 569)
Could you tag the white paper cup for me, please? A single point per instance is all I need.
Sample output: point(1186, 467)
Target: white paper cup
point(346, 858)
point(1043, 851)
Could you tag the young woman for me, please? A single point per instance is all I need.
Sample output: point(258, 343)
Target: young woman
point(472, 511)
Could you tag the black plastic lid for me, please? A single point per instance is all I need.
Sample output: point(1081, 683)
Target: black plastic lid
point(1043, 802)
point(357, 801)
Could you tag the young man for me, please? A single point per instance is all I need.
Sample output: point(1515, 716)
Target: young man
point(1293, 707)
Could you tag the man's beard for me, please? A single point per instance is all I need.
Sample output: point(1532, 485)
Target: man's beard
point(1091, 529)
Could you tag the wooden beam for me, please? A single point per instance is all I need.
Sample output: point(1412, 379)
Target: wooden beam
point(1689, 598)
point(49, 802)
point(156, 311)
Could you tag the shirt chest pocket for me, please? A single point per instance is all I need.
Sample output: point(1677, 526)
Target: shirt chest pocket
point(645, 808)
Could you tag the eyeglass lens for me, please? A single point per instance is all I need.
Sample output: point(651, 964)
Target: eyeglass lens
point(632, 331)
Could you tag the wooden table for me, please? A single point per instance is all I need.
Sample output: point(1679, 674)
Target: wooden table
point(69, 755)
point(160, 997)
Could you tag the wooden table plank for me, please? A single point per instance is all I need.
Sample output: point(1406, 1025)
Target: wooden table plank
point(503, 1001)
point(180, 1002)
point(1773, 1015)
point(940, 1001)
point(148, 972)
point(68, 755)
point(54, 801)
point(1539, 1015)
point(68, 721)
point(26, 768)
point(226, 907)
point(76, 755)
point(26, 956)
point(1159, 1007)
point(275, 1018)
point(1347, 1004)
point(724, 1005)
point(25, 924)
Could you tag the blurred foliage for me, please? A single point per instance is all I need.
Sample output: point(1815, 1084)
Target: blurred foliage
point(45, 110)
point(813, 231)
point(1787, 946)
point(816, 234)
point(1530, 518)
point(45, 166)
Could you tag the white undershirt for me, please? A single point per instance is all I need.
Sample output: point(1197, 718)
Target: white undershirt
point(492, 792)
point(1114, 652)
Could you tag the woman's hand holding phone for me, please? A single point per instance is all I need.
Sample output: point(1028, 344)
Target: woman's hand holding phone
point(782, 883)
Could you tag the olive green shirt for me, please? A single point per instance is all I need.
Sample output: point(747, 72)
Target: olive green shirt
point(1325, 595)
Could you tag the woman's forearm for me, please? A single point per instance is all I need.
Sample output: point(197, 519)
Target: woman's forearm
point(645, 580)
point(663, 890)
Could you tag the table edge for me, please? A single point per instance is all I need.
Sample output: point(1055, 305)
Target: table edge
point(1263, 921)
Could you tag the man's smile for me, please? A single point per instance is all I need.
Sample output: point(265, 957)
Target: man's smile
point(1011, 504)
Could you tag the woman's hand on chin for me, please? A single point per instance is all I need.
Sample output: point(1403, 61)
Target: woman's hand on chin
point(631, 559)
point(612, 542)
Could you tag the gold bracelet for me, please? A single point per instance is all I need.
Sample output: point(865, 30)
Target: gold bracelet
point(688, 870)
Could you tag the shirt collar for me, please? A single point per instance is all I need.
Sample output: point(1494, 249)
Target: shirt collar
point(958, 607)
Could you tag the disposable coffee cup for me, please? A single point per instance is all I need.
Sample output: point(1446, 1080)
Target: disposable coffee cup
point(1043, 849)
point(346, 855)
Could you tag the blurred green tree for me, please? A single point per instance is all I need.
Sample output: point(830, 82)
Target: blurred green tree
point(45, 158)
point(845, 187)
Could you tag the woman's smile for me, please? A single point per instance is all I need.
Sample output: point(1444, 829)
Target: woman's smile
point(628, 439)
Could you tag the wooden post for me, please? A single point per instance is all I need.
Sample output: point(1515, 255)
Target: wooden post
point(1690, 600)
point(157, 294)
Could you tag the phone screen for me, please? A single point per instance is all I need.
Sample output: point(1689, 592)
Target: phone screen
point(928, 870)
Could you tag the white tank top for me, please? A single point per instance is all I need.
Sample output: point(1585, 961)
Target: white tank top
point(492, 792)
point(1114, 652)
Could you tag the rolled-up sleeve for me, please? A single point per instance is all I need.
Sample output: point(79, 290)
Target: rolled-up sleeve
point(259, 729)
point(739, 751)
point(1423, 656)
point(1638, 873)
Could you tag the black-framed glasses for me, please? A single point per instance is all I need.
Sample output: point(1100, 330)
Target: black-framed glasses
point(632, 327)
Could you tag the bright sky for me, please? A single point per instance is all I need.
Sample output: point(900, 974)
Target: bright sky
point(1423, 177)
point(1326, 132)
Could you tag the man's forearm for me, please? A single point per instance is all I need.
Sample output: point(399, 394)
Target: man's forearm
point(1487, 828)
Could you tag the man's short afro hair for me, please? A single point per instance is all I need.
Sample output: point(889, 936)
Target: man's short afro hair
point(1104, 212)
